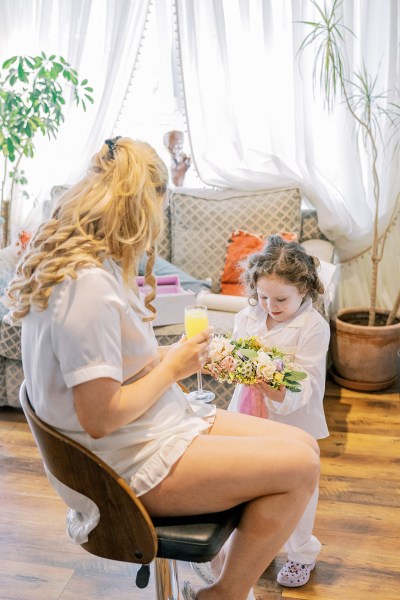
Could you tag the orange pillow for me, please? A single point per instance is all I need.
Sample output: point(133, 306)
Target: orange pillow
point(240, 245)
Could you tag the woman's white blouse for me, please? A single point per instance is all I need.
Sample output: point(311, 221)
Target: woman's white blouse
point(93, 328)
point(305, 338)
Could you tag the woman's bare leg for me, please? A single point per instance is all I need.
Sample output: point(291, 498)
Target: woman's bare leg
point(274, 469)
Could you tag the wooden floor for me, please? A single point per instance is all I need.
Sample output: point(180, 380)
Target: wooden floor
point(358, 519)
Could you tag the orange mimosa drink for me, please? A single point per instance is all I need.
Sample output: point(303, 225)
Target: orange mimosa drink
point(196, 320)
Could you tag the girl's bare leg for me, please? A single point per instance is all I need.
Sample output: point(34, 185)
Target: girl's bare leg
point(272, 467)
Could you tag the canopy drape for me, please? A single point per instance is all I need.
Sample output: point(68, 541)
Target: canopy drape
point(255, 120)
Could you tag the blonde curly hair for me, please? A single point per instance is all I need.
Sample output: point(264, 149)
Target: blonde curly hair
point(114, 212)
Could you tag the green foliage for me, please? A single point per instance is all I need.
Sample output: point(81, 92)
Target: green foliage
point(32, 98)
point(371, 109)
point(328, 37)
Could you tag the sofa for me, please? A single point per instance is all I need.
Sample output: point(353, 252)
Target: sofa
point(198, 226)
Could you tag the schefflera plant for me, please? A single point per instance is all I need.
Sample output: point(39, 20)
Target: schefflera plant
point(33, 95)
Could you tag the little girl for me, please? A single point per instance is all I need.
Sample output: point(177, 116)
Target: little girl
point(281, 283)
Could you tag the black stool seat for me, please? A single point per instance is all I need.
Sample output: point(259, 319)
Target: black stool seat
point(195, 538)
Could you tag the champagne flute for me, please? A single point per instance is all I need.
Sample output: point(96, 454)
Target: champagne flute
point(196, 320)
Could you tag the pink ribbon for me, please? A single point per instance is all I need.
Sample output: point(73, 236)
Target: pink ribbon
point(251, 402)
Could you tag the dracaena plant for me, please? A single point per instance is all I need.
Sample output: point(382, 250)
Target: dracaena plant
point(368, 107)
point(33, 94)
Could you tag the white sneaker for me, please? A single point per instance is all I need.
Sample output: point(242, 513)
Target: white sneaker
point(205, 572)
point(188, 592)
point(294, 574)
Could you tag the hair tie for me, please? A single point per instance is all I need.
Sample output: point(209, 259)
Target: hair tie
point(111, 143)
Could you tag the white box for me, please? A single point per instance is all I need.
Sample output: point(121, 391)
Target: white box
point(170, 301)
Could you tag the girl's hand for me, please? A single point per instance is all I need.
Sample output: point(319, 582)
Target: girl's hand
point(273, 394)
point(189, 356)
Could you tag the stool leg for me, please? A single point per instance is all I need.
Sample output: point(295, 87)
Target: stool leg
point(166, 576)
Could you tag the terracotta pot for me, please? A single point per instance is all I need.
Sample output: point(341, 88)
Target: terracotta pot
point(364, 358)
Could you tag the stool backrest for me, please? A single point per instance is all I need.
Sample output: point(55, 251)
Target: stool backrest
point(125, 531)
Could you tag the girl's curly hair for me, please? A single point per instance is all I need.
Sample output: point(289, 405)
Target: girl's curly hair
point(288, 261)
point(113, 212)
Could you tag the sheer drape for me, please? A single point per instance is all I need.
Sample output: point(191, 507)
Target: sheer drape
point(101, 39)
point(255, 122)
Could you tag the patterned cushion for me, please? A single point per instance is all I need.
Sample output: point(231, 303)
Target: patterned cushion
point(14, 378)
point(164, 244)
point(10, 339)
point(3, 390)
point(202, 221)
point(309, 226)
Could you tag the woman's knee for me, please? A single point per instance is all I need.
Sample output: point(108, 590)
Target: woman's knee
point(308, 439)
point(312, 466)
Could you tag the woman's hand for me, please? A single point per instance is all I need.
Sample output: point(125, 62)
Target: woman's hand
point(186, 357)
point(273, 394)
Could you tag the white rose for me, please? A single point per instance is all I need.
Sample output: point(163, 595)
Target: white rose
point(219, 348)
point(265, 367)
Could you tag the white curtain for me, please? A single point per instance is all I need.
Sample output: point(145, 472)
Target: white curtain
point(255, 122)
point(101, 40)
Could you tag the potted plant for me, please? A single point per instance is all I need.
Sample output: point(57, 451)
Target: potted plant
point(364, 341)
point(33, 91)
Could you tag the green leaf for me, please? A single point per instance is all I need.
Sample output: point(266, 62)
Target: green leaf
point(89, 98)
point(7, 63)
point(21, 72)
point(8, 150)
point(88, 89)
point(249, 353)
point(298, 375)
point(84, 82)
point(293, 388)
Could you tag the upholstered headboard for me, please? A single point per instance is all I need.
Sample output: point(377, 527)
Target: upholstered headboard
point(199, 223)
